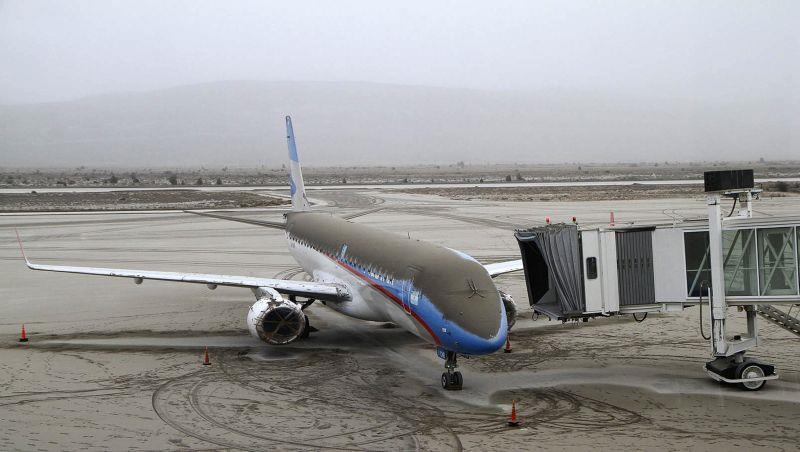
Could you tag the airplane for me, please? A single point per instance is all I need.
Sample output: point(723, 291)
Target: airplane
point(443, 296)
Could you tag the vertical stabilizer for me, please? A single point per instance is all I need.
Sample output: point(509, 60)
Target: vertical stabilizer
point(296, 186)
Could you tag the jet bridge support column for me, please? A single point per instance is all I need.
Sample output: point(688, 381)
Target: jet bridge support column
point(719, 307)
point(721, 347)
point(729, 365)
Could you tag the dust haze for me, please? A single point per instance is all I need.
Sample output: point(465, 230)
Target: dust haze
point(148, 84)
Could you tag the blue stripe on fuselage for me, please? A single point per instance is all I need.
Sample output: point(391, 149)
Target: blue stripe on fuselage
point(451, 335)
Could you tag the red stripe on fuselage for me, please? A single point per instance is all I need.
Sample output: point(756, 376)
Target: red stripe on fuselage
point(388, 295)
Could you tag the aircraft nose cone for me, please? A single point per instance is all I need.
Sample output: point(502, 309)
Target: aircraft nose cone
point(478, 335)
point(484, 344)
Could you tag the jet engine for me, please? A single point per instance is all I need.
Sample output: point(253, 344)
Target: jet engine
point(511, 308)
point(274, 320)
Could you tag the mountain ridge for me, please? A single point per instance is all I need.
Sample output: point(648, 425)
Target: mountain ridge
point(240, 123)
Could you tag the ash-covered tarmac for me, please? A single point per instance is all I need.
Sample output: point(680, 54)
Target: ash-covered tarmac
point(115, 366)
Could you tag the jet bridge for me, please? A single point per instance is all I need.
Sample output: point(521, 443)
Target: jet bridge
point(577, 272)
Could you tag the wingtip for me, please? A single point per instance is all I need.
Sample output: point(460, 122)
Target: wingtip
point(21, 248)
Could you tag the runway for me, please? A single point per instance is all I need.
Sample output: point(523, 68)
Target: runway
point(116, 366)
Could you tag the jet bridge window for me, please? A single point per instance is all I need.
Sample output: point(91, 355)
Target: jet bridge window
point(741, 263)
point(777, 269)
point(698, 264)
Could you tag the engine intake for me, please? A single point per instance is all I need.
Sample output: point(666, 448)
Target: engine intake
point(275, 320)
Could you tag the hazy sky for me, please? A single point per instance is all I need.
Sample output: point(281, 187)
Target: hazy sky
point(719, 50)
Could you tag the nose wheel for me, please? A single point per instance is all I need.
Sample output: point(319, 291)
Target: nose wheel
point(451, 378)
point(452, 381)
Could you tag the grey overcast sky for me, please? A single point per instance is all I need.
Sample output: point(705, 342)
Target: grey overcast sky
point(397, 82)
point(62, 50)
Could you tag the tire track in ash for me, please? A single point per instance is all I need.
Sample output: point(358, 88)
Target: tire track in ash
point(194, 401)
point(557, 408)
point(180, 403)
point(163, 400)
point(306, 378)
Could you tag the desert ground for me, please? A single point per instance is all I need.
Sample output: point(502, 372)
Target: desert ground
point(459, 172)
point(115, 366)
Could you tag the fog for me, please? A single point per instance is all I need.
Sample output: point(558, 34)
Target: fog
point(185, 83)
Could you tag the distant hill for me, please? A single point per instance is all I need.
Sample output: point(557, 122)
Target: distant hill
point(241, 124)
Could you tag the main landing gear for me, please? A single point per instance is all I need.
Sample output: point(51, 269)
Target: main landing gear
point(451, 379)
point(303, 305)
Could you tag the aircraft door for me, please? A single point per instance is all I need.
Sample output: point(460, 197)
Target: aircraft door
point(411, 294)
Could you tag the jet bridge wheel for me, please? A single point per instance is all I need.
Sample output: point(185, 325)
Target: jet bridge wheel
point(752, 371)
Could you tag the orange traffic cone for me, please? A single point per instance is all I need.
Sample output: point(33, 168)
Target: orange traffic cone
point(508, 346)
point(206, 360)
point(23, 336)
point(512, 420)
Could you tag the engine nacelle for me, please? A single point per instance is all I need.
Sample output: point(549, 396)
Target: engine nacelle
point(275, 320)
point(511, 308)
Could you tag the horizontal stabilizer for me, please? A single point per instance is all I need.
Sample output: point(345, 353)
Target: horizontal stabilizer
point(362, 213)
point(500, 268)
point(267, 224)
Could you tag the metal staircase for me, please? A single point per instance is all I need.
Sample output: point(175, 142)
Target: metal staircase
point(785, 320)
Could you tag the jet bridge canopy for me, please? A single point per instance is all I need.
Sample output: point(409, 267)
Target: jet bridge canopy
point(551, 257)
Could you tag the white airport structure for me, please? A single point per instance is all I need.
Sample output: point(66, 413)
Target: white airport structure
point(736, 259)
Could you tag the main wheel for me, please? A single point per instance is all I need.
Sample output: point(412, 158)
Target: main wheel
point(752, 371)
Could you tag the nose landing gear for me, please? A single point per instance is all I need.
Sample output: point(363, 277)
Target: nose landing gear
point(451, 379)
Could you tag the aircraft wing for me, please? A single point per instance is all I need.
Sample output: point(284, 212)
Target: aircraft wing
point(319, 291)
point(499, 268)
point(304, 289)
